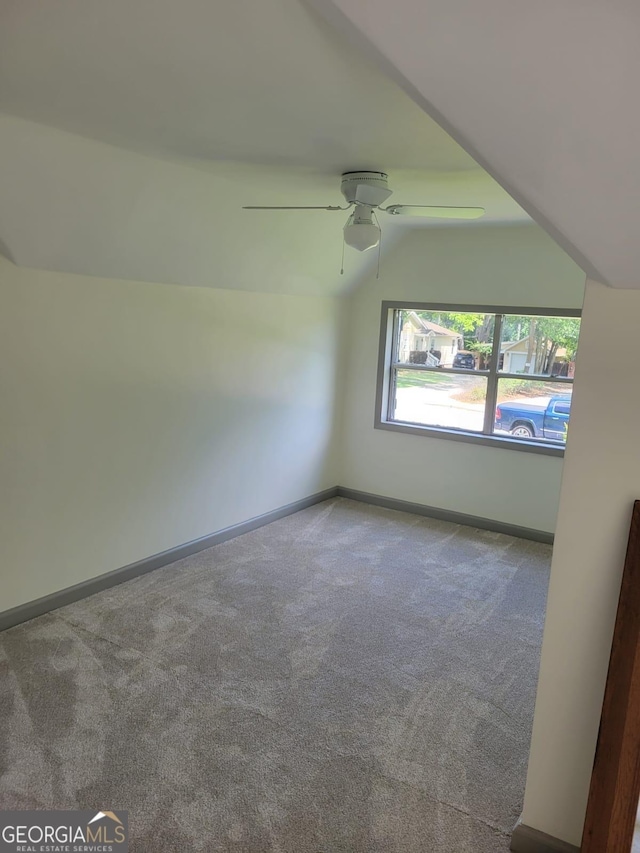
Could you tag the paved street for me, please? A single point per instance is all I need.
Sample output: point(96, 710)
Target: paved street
point(435, 406)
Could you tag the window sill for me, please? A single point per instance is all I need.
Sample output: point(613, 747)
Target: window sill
point(495, 441)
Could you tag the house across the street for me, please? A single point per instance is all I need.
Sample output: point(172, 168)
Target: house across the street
point(421, 337)
point(513, 359)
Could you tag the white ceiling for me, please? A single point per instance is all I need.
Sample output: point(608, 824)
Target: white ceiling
point(255, 81)
point(75, 205)
point(546, 94)
point(205, 106)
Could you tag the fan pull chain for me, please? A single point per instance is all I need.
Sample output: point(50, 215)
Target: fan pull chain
point(342, 267)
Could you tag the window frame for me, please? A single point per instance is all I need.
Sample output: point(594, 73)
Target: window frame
point(386, 371)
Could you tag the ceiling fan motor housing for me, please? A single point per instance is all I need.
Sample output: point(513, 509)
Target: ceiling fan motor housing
point(368, 188)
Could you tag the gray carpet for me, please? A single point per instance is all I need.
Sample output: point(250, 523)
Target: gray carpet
point(346, 679)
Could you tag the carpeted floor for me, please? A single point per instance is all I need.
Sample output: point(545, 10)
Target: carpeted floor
point(346, 680)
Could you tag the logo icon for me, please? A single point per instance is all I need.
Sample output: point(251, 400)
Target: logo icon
point(112, 815)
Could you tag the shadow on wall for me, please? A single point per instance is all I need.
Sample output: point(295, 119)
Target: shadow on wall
point(4, 250)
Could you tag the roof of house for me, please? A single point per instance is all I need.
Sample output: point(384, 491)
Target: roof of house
point(434, 328)
point(505, 345)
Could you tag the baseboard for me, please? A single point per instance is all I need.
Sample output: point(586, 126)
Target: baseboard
point(526, 839)
point(24, 612)
point(448, 515)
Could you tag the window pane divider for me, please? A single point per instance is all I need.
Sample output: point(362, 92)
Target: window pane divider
point(491, 399)
point(536, 377)
point(403, 365)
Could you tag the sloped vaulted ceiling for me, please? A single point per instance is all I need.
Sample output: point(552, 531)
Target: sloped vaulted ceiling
point(544, 94)
point(134, 131)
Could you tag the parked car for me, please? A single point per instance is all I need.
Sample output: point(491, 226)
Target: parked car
point(465, 360)
point(545, 418)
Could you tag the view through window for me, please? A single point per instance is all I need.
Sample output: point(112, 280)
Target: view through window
point(486, 372)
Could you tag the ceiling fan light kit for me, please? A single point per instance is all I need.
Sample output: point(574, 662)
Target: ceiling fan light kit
point(365, 192)
point(361, 232)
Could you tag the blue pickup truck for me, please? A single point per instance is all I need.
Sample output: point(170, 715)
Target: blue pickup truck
point(544, 417)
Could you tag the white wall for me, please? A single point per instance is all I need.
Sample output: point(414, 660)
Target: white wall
point(517, 265)
point(136, 417)
point(600, 482)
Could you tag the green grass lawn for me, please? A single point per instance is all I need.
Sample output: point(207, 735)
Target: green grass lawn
point(420, 378)
point(471, 390)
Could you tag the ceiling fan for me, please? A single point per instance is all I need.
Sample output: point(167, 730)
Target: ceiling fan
point(365, 192)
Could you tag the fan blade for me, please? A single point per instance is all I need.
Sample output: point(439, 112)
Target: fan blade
point(435, 212)
point(329, 207)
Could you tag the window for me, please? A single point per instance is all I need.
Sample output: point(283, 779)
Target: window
point(483, 374)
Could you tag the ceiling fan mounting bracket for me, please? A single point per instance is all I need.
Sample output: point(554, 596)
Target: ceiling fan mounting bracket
point(370, 188)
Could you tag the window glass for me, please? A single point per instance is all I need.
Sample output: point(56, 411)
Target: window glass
point(533, 410)
point(494, 375)
point(445, 339)
point(438, 399)
point(539, 346)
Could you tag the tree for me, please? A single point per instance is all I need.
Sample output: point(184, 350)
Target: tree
point(472, 327)
point(484, 352)
point(552, 334)
point(545, 336)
